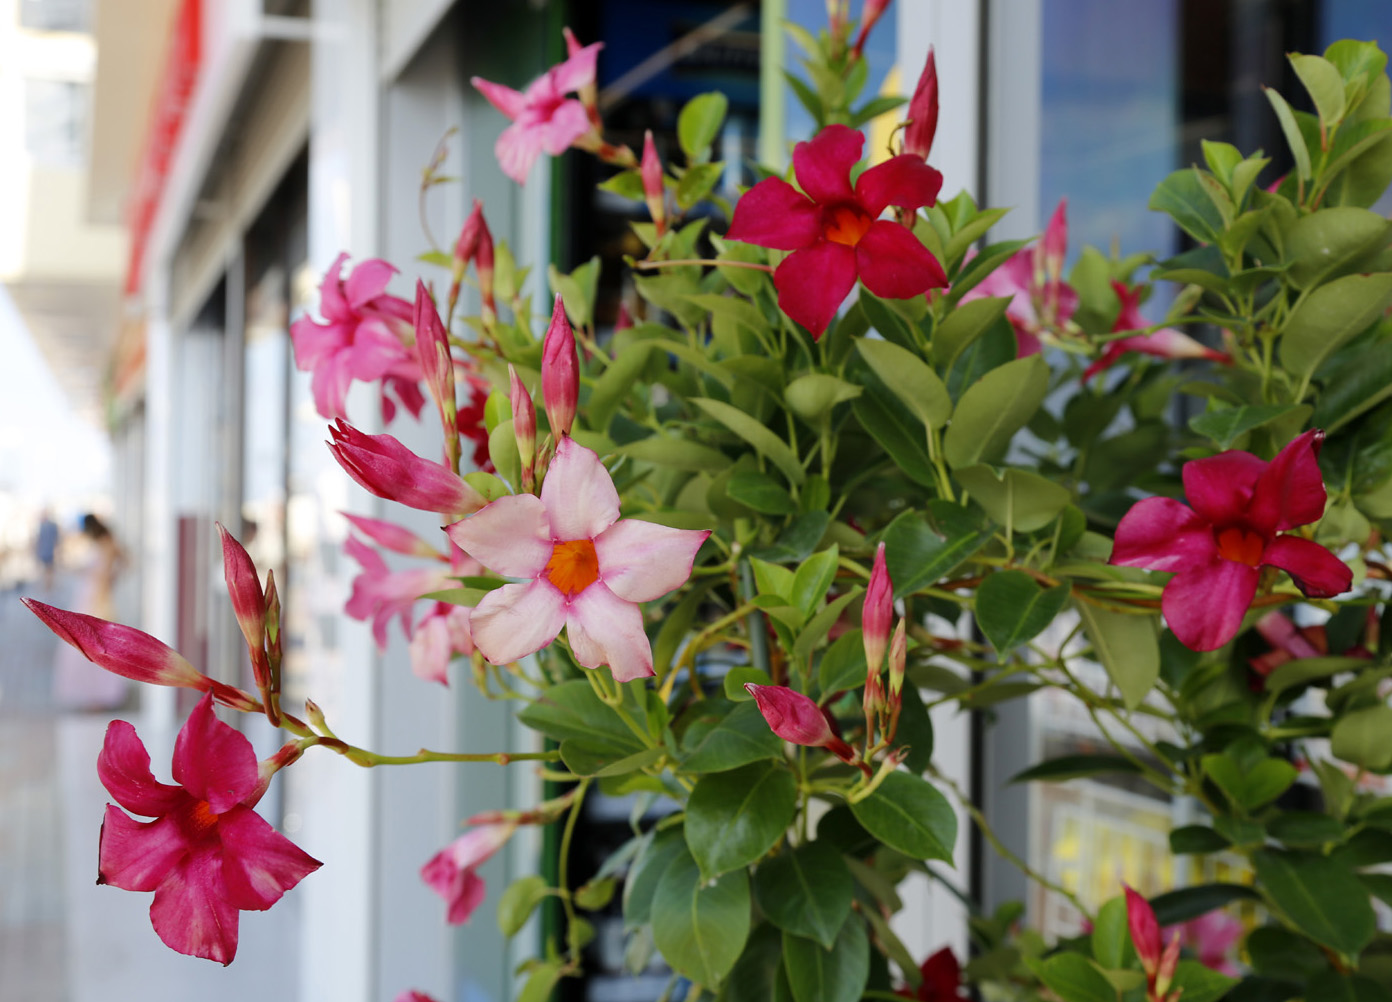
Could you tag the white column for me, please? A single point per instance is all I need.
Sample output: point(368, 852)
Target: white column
point(1014, 84)
point(953, 29)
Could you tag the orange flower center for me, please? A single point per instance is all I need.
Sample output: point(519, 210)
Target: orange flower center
point(202, 817)
point(573, 566)
point(845, 224)
point(1241, 546)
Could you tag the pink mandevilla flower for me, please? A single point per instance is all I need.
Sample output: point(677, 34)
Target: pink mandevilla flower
point(414, 996)
point(942, 979)
point(1241, 510)
point(452, 872)
point(798, 719)
point(586, 570)
point(207, 855)
point(1032, 278)
point(1164, 343)
point(364, 336)
point(543, 118)
point(1213, 936)
point(835, 231)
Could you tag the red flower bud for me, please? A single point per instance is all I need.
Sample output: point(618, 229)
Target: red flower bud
point(653, 193)
point(877, 614)
point(796, 718)
point(523, 426)
point(1145, 932)
point(560, 372)
point(122, 650)
point(874, 10)
point(432, 344)
point(248, 603)
point(381, 465)
point(923, 111)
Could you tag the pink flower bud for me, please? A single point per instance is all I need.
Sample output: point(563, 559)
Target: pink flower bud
point(122, 650)
point(796, 718)
point(1053, 246)
point(523, 422)
point(898, 657)
point(383, 466)
point(560, 372)
point(874, 10)
point(414, 996)
point(923, 111)
point(1164, 975)
point(248, 603)
point(1145, 932)
point(653, 193)
point(432, 344)
point(466, 247)
point(392, 536)
point(877, 615)
point(625, 319)
point(483, 265)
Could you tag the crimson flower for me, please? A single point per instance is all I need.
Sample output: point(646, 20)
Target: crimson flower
point(942, 979)
point(1164, 343)
point(798, 719)
point(586, 569)
point(1032, 277)
point(835, 231)
point(364, 336)
point(543, 118)
point(1157, 960)
point(207, 855)
point(381, 465)
point(451, 872)
point(1241, 510)
point(923, 111)
point(471, 423)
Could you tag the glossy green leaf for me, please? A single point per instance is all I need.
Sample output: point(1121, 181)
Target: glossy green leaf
point(1322, 897)
point(900, 438)
point(993, 409)
point(1198, 983)
point(737, 735)
point(836, 974)
point(572, 710)
point(502, 450)
point(696, 183)
point(519, 901)
point(1066, 767)
point(910, 379)
point(1021, 499)
point(1073, 978)
point(1111, 936)
point(597, 756)
point(651, 863)
point(1188, 903)
point(677, 453)
point(700, 926)
point(1330, 241)
point(761, 492)
point(812, 580)
point(736, 678)
point(843, 664)
point(920, 552)
point(915, 730)
point(1226, 425)
point(1196, 840)
point(1126, 646)
point(1324, 84)
point(733, 818)
point(1294, 138)
point(1012, 608)
point(1182, 197)
point(963, 326)
point(1330, 316)
point(756, 434)
point(541, 982)
point(699, 123)
point(806, 891)
point(1364, 738)
point(756, 974)
point(1305, 670)
point(812, 397)
point(1305, 828)
point(909, 814)
point(615, 382)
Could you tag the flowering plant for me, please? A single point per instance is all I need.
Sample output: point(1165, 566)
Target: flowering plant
point(740, 537)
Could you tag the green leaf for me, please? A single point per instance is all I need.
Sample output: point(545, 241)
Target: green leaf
point(1066, 767)
point(963, 326)
point(541, 982)
point(519, 901)
point(1279, 952)
point(1187, 903)
point(1073, 978)
point(699, 123)
point(1226, 425)
point(700, 926)
point(812, 397)
point(1182, 197)
point(843, 664)
point(806, 891)
point(598, 756)
point(1023, 500)
point(1126, 646)
point(1111, 938)
point(755, 976)
point(1322, 897)
point(696, 183)
point(910, 379)
point(596, 894)
point(909, 814)
point(626, 184)
point(812, 580)
point(577, 290)
point(968, 234)
point(1304, 670)
point(915, 730)
point(733, 818)
point(615, 382)
point(675, 624)
point(898, 438)
point(677, 453)
point(1325, 85)
point(893, 326)
point(836, 974)
point(1355, 381)
point(1294, 138)
point(756, 434)
point(1012, 608)
point(1330, 986)
point(1196, 840)
point(1329, 317)
point(1364, 738)
point(919, 553)
point(1264, 782)
point(1198, 983)
point(736, 735)
point(502, 450)
point(761, 492)
point(820, 625)
point(1330, 241)
point(993, 409)
point(648, 867)
point(572, 710)
point(735, 679)
point(1306, 828)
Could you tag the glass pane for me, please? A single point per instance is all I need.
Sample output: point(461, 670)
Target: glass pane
point(55, 122)
point(56, 15)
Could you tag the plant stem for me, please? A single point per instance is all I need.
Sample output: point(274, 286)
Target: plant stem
point(562, 877)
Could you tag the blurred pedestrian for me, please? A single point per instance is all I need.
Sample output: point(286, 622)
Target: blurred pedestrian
point(77, 683)
point(46, 548)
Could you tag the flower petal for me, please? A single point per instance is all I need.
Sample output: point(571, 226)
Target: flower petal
point(505, 99)
point(258, 863)
point(512, 536)
point(1316, 571)
point(516, 620)
point(1163, 535)
point(124, 769)
point(1204, 605)
point(367, 281)
point(212, 761)
point(1220, 487)
point(577, 71)
point(332, 304)
point(1290, 491)
point(905, 181)
point(135, 855)
point(191, 912)
point(775, 214)
point(568, 123)
point(517, 148)
point(641, 561)
point(893, 264)
point(605, 629)
point(579, 494)
point(813, 282)
point(823, 163)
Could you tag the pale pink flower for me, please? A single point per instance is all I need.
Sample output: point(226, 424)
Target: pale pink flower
point(1032, 277)
point(365, 335)
point(544, 119)
point(586, 570)
point(1164, 343)
point(207, 855)
point(1213, 936)
point(451, 873)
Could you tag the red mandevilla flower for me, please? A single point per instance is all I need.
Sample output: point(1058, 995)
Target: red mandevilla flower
point(942, 979)
point(835, 232)
point(1164, 343)
point(1242, 507)
point(207, 855)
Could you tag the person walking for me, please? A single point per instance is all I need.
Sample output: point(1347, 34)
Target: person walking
point(77, 683)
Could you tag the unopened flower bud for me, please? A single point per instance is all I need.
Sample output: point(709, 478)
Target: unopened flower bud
point(316, 717)
point(796, 718)
point(653, 192)
point(625, 319)
point(877, 614)
point(248, 603)
point(381, 465)
point(874, 10)
point(121, 650)
point(560, 372)
point(1145, 932)
point(432, 345)
point(523, 426)
point(1164, 974)
point(898, 657)
point(923, 111)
